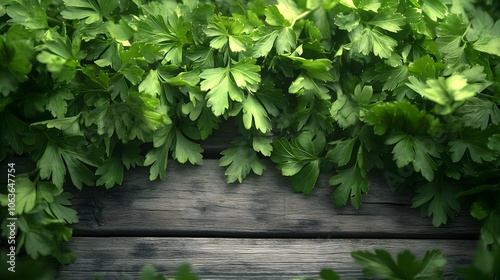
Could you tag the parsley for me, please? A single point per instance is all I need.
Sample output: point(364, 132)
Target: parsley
point(382, 265)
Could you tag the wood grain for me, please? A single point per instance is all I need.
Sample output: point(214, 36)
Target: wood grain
point(228, 258)
point(197, 201)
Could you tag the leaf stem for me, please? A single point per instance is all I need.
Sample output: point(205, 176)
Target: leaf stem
point(302, 15)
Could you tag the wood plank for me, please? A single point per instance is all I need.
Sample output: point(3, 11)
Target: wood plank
point(228, 258)
point(197, 201)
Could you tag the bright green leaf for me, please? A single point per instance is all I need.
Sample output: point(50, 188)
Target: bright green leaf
point(238, 169)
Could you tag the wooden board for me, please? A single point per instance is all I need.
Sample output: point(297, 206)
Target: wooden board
point(197, 201)
point(228, 258)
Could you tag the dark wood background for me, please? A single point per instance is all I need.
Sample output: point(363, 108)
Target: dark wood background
point(259, 229)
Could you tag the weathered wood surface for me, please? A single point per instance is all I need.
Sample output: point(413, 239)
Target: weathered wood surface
point(255, 230)
point(197, 201)
point(231, 258)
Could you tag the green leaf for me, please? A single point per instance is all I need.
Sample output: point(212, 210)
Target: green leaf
point(67, 154)
point(226, 32)
point(255, 115)
point(347, 109)
point(286, 40)
point(90, 10)
point(167, 31)
point(265, 43)
point(374, 41)
point(61, 55)
point(12, 130)
point(25, 194)
point(305, 180)
point(351, 183)
point(474, 143)
point(28, 13)
point(274, 17)
point(370, 5)
point(424, 68)
point(300, 158)
point(157, 157)
point(449, 40)
point(246, 74)
point(51, 165)
point(480, 209)
point(224, 83)
point(37, 244)
point(149, 273)
point(57, 102)
point(184, 273)
point(434, 9)
point(151, 84)
point(238, 169)
point(445, 92)
point(388, 20)
point(16, 53)
point(305, 85)
point(220, 87)
point(416, 150)
point(328, 274)
point(400, 117)
point(60, 210)
point(488, 45)
point(342, 151)
point(437, 199)
point(494, 143)
point(186, 150)
point(111, 171)
point(262, 144)
point(347, 21)
point(381, 265)
point(120, 31)
point(289, 9)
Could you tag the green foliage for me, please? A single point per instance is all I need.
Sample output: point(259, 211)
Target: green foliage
point(92, 88)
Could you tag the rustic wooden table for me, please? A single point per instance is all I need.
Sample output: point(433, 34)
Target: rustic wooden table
point(256, 230)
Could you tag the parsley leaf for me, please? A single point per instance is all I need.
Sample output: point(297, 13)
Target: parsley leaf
point(66, 154)
point(381, 265)
point(254, 113)
point(186, 150)
point(437, 199)
point(226, 32)
point(416, 150)
point(227, 83)
point(90, 10)
point(60, 210)
point(448, 93)
point(29, 13)
point(25, 194)
point(299, 158)
point(280, 35)
point(351, 183)
point(347, 109)
point(238, 169)
point(166, 30)
point(16, 51)
point(473, 142)
point(388, 20)
point(374, 41)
